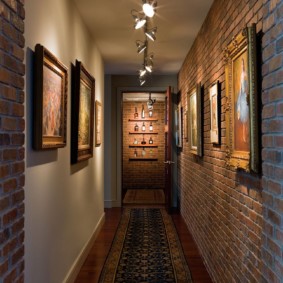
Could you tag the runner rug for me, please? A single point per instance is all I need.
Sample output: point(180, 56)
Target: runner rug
point(146, 248)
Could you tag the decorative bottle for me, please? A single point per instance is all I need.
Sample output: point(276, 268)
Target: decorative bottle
point(143, 127)
point(142, 112)
point(135, 153)
point(136, 115)
point(151, 127)
point(136, 128)
point(150, 140)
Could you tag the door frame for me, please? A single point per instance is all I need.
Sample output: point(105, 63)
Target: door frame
point(120, 91)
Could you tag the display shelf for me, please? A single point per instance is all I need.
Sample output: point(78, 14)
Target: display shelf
point(145, 120)
point(143, 145)
point(143, 133)
point(142, 159)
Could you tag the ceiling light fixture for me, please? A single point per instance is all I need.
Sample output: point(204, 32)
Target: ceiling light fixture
point(149, 8)
point(141, 46)
point(139, 19)
point(149, 63)
point(150, 33)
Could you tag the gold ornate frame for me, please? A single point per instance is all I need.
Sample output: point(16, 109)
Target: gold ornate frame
point(98, 123)
point(49, 101)
point(245, 42)
point(195, 145)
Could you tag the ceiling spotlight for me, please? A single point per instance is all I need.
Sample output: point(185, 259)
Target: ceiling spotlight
point(142, 72)
point(141, 46)
point(140, 20)
point(149, 63)
point(149, 7)
point(142, 80)
point(150, 33)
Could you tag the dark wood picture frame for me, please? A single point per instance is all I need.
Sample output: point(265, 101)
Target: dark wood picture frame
point(82, 113)
point(98, 123)
point(242, 129)
point(49, 101)
point(195, 120)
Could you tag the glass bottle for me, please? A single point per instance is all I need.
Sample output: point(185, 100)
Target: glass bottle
point(151, 127)
point(136, 128)
point(135, 153)
point(150, 140)
point(142, 112)
point(136, 114)
point(150, 113)
point(143, 127)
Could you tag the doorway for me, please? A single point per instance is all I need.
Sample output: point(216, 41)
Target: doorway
point(143, 148)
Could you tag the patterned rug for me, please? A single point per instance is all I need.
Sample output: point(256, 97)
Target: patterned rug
point(146, 248)
point(141, 196)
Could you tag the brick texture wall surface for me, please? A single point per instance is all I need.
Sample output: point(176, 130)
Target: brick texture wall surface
point(12, 71)
point(272, 140)
point(141, 174)
point(221, 206)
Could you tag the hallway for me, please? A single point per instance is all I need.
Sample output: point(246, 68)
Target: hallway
point(93, 265)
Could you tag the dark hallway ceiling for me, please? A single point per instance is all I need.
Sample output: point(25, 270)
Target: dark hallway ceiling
point(111, 25)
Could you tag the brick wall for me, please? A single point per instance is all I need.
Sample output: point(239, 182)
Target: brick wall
point(272, 128)
point(12, 126)
point(143, 174)
point(221, 206)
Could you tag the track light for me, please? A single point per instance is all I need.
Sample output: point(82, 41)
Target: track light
point(142, 72)
point(139, 19)
point(149, 8)
point(141, 46)
point(149, 63)
point(151, 33)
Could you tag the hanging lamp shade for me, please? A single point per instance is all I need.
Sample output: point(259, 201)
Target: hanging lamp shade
point(149, 8)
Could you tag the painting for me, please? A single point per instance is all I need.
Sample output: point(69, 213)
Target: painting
point(214, 113)
point(82, 108)
point(195, 120)
point(242, 103)
point(49, 101)
point(98, 123)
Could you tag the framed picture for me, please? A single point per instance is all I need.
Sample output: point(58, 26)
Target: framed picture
point(214, 113)
point(83, 92)
point(195, 120)
point(185, 118)
point(98, 123)
point(178, 125)
point(242, 104)
point(50, 101)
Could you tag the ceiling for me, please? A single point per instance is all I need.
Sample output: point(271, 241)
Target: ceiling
point(112, 26)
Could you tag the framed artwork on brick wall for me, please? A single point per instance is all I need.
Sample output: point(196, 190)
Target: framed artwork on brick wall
point(195, 120)
point(83, 93)
point(214, 113)
point(98, 123)
point(242, 103)
point(178, 125)
point(50, 101)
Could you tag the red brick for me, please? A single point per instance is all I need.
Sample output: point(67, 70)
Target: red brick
point(10, 217)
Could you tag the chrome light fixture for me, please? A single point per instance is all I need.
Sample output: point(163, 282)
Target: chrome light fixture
point(149, 63)
point(141, 46)
point(139, 19)
point(151, 33)
point(149, 8)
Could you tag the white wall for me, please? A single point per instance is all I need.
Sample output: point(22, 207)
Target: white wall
point(63, 203)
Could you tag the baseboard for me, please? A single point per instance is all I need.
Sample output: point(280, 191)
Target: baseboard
point(77, 265)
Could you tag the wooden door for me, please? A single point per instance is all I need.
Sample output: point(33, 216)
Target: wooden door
point(168, 150)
